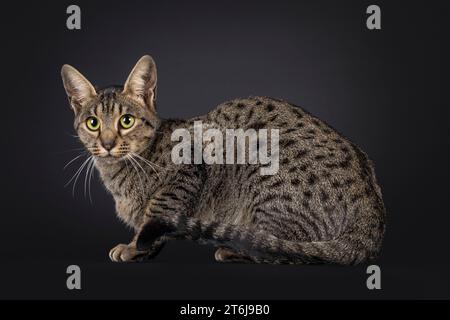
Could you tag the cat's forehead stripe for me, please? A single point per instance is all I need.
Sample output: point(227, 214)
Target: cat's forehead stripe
point(108, 106)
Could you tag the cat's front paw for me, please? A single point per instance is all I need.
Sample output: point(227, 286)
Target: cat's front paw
point(125, 253)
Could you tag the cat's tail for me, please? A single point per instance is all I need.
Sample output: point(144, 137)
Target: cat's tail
point(258, 245)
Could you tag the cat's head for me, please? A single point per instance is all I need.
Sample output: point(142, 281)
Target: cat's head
point(115, 121)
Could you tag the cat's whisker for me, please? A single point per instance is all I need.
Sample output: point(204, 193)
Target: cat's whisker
point(126, 163)
point(85, 176)
point(84, 166)
point(139, 166)
point(77, 174)
point(137, 162)
point(130, 157)
point(90, 177)
point(149, 163)
point(72, 135)
point(152, 163)
point(71, 161)
point(88, 168)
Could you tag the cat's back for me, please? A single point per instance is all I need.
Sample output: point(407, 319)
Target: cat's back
point(293, 122)
point(267, 113)
point(318, 167)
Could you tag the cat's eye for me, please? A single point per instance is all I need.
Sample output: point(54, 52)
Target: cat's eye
point(126, 121)
point(92, 123)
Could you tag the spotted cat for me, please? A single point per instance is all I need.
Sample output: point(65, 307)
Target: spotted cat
point(322, 206)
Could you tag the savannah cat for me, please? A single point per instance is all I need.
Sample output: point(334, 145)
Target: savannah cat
point(323, 206)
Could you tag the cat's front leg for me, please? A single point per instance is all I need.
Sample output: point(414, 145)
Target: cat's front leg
point(169, 205)
point(126, 252)
point(129, 253)
point(157, 230)
point(123, 253)
point(151, 238)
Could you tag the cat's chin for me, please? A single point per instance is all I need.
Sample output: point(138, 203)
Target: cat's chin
point(109, 159)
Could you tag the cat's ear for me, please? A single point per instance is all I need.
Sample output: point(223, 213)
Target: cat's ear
point(141, 83)
point(79, 90)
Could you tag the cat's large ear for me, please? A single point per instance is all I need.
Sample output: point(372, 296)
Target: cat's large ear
point(141, 83)
point(79, 90)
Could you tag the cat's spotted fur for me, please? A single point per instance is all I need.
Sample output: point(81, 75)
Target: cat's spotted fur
point(323, 206)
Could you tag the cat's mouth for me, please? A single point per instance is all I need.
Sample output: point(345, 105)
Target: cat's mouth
point(111, 157)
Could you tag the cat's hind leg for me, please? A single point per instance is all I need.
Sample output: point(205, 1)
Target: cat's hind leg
point(228, 255)
point(260, 245)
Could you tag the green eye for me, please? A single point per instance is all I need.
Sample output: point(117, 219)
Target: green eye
point(92, 123)
point(126, 121)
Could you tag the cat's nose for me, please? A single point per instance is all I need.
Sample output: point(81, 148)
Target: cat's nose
point(108, 145)
point(108, 139)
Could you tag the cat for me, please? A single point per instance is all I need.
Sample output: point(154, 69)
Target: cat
point(324, 204)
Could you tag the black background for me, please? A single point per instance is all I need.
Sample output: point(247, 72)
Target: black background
point(386, 90)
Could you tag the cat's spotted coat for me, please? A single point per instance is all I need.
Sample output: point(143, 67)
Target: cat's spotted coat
point(323, 206)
